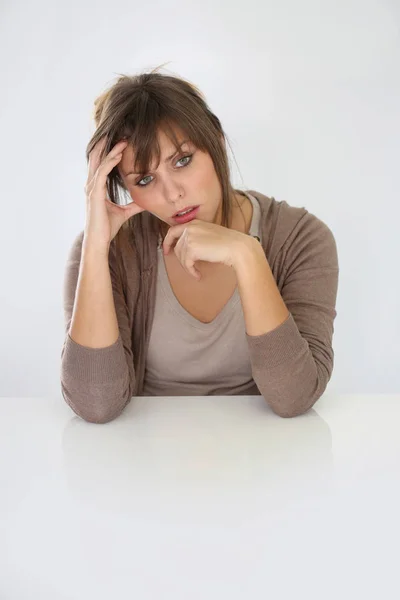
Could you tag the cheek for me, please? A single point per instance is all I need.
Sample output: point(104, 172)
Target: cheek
point(206, 179)
point(137, 197)
point(146, 201)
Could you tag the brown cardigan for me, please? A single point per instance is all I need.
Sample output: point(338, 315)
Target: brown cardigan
point(291, 365)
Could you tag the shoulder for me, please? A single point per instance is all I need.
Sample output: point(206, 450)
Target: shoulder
point(293, 231)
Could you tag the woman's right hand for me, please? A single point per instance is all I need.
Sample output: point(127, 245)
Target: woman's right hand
point(103, 217)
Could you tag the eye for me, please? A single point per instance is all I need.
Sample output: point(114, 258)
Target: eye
point(183, 158)
point(189, 156)
point(139, 184)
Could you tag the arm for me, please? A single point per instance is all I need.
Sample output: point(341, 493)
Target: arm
point(97, 372)
point(94, 321)
point(289, 332)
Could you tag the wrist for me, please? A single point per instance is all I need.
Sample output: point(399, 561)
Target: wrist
point(91, 246)
point(246, 249)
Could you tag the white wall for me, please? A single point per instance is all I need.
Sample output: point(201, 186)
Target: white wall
point(308, 93)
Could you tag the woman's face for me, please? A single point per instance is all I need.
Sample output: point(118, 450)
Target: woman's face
point(187, 178)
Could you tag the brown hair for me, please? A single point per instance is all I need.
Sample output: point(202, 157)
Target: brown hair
point(136, 106)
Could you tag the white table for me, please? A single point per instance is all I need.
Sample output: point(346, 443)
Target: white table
point(200, 498)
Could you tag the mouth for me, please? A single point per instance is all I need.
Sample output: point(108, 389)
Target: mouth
point(184, 210)
point(186, 214)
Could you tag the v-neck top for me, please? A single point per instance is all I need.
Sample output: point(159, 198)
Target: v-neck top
point(180, 344)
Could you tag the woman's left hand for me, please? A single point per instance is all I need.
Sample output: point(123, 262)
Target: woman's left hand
point(200, 240)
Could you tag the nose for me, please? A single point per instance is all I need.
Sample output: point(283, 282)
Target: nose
point(173, 193)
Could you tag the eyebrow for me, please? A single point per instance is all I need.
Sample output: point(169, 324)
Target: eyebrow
point(166, 160)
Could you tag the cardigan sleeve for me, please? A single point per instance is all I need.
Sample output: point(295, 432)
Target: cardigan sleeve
point(97, 383)
point(293, 363)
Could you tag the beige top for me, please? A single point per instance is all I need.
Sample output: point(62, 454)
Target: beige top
point(290, 365)
point(188, 357)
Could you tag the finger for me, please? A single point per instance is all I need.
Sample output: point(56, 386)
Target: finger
point(105, 168)
point(100, 177)
point(132, 208)
point(116, 152)
point(131, 205)
point(188, 265)
point(110, 161)
point(193, 271)
point(128, 210)
point(182, 252)
point(173, 234)
point(96, 158)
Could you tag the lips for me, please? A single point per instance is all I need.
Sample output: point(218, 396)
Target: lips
point(188, 216)
point(182, 210)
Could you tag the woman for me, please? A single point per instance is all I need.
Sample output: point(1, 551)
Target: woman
point(193, 287)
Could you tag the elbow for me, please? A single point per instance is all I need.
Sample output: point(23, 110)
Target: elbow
point(293, 390)
point(295, 400)
point(96, 383)
point(95, 416)
point(95, 410)
point(290, 411)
